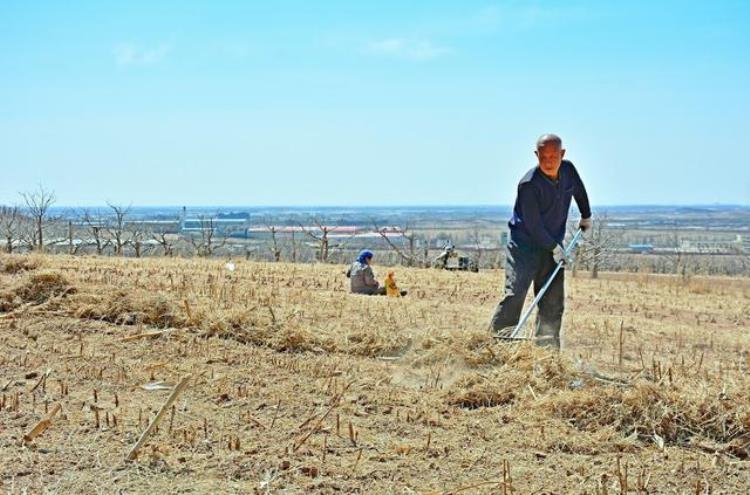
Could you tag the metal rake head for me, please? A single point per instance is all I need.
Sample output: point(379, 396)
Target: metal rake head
point(506, 335)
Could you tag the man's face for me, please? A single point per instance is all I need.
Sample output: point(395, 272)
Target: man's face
point(550, 155)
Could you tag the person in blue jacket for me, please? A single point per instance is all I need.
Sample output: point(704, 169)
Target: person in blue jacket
point(362, 279)
point(537, 230)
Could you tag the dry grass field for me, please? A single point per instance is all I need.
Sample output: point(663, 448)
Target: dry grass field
point(296, 386)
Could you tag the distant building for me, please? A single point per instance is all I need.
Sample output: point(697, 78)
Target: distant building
point(712, 246)
point(348, 236)
point(744, 242)
point(333, 230)
point(165, 226)
point(641, 248)
point(219, 224)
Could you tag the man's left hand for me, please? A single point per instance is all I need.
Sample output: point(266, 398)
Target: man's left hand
point(558, 254)
point(586, 224)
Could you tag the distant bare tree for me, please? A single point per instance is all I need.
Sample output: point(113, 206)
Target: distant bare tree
point(744, 262)
point(73, 247)
point(10, 224)
point(678, 263)
point(339, 248)
point(207, 243)
point(294, 248)
point(321, 238)
point(116, 227)
point(38, 203)
point(27, 233)
point(408, 251)
point(94, 228)
point(274, 247)
point(427, 262)
point(165, 240)
point(674, 260)
point(597, 248)
point(475, 239)
point(137, 232)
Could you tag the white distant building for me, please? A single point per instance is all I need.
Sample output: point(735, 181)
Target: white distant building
point(713, 247)
point(220, 224)
point(744, 242)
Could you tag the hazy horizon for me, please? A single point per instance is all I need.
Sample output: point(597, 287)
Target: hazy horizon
point(395, 206)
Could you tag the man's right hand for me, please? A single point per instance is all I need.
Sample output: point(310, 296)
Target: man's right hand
point(585, 224)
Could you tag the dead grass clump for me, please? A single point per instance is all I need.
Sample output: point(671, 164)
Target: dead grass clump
point(677, 415)
point(542, 368)
point(40, 287)
point(257, 328)
point(370, 342)
point(8, 302)
point(286, 334)
point(559, 436)
point(587, 410)
point(478, 349)
point(129, 308)
point(288, 339)
point(544, 363)
point(525, 370)
point(15, 264)
point(36, 289)
point(230, 324)
point(475, 391)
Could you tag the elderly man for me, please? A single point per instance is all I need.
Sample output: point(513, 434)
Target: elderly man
point(537, 230)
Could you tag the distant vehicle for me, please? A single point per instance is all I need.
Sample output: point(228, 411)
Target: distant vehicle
point(449, 259)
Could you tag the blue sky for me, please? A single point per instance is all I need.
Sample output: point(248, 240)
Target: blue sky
point(371, 103)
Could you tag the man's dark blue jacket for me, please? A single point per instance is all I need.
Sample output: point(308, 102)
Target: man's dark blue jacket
point(541, 208)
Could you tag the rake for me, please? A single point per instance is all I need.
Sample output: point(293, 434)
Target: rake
point(518, 334)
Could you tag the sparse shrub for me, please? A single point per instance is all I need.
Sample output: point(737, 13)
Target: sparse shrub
point(37, 288)
point(15, 264)
point(40, 287)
